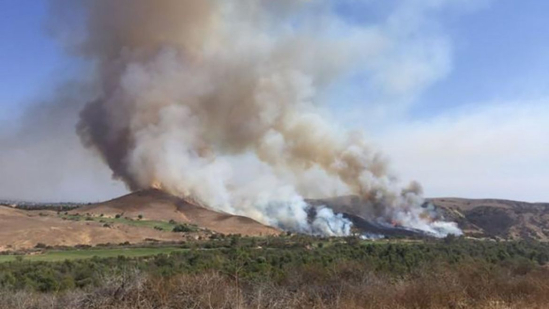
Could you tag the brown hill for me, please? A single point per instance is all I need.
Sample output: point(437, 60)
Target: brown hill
point(24, 229)
point(20, 229)
point(497, 218)
point(503, 219)
point(159, 206)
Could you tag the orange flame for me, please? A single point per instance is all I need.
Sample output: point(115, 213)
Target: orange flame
point(156, 185)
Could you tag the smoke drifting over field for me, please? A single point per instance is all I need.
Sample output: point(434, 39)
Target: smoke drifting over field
point(218, 101)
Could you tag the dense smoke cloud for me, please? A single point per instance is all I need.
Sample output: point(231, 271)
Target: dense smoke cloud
point(195, 94)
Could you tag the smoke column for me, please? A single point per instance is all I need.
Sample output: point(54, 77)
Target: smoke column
point(218, 101)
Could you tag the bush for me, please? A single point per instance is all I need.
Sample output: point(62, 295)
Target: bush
point(433, 274)
point(184, 228)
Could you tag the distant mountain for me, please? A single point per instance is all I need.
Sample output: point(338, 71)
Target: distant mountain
point(478, 218)
point(495, 218)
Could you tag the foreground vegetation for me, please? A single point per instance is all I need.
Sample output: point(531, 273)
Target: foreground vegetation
point(289, 272)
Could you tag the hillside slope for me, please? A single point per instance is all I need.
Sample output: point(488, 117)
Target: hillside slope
point(480, 218)
point(363, 218)
point(159, 206)
point(497, 218)
point(20, 229)
point(24, 229)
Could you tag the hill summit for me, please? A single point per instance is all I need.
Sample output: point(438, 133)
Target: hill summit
point(154, 204)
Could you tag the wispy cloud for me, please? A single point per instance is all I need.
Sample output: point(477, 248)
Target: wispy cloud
point(495, 149)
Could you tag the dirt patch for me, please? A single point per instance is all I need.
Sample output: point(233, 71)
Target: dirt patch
point(25, 229)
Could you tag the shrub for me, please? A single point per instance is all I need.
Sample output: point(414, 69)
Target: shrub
point(184, 228)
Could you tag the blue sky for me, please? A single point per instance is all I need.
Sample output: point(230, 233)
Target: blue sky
point(491, 98)
point(29, 58)
point(501, 52)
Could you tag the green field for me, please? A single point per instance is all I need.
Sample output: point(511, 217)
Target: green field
point(54, 256)
point(165, 226)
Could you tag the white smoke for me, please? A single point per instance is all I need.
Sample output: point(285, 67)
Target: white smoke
point(328, 223)
point(189, 87)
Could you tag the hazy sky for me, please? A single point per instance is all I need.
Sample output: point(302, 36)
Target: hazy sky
point(463, 106)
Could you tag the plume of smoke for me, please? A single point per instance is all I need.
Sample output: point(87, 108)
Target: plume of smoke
point(189, 86)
